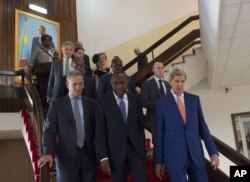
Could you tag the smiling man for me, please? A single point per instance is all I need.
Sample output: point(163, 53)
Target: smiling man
point(120, 140)
point(180, 127)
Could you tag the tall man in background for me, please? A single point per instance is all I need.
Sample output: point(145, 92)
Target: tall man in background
point(153, 90)
point(179, 129)
point(60, 68)
point(142, 61)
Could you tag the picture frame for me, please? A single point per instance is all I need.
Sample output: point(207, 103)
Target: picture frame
point(28, 30)
point(241, 128)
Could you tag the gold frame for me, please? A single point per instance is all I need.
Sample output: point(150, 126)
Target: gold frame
point(25, 26)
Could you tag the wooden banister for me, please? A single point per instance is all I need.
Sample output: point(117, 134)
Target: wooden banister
point(168, 55)
point(231, 153)
point(162, 40)
point(20, 72)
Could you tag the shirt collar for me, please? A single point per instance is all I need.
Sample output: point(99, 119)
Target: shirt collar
point(157, 79)
point(175, 96)
point(73, 97)
point(64, 59)
point(125, 97)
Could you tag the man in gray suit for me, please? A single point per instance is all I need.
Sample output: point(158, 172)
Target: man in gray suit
point(71, 120)
point(60, 68)
point(151, 92)
point(120, 140)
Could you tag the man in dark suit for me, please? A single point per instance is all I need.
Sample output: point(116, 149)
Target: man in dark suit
point(104, 85)
point(179, 129)
point(142, 61)
point(71, 119)
point(88, 70)
point(151, 92)
point(89, 89)
point(120, 140)
point(60, 68)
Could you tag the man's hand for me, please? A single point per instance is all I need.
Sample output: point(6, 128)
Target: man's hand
point(106, 166)
point(49, 99)
point(44, 159)
point(159, 171)
point(215, 161)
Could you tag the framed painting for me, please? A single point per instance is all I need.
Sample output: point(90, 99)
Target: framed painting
point(241, 127)
point(28, 31)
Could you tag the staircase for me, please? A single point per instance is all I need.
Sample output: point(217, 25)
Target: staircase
point(195, 65)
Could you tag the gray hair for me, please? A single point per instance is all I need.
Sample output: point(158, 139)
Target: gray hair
point(66, 43)
point(74, 73)
point(176, 71)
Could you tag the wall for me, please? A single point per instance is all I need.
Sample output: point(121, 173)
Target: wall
point(218, 107)
point(106, 24)
point(63, 12)
point(15, 162)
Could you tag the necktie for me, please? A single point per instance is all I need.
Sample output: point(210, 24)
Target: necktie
point(122, 107)
point(79, 124)
point(67, 68)
point(181, 108)
point(161, 88)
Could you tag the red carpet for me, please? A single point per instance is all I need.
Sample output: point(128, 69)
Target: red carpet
point(102, 177)
point(30, 140)
point(151, 177)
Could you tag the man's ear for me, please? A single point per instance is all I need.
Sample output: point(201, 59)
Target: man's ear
point(67, 84)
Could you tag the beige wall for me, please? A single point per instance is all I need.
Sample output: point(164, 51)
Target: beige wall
point(125, 50)
point(15, 165)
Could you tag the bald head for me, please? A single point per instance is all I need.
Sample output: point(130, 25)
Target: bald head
point(158, 69)
point(137, 51)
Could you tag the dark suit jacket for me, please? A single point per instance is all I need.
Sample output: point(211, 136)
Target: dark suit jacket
point(174, 139)
point(150, 94)
point(88, 91)
point(56, 72)
point(104, 85)
point(111, 132)
point(143, 61)
point(60, 123)
point(88, 70)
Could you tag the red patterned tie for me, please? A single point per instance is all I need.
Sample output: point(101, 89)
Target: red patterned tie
point(181, 108)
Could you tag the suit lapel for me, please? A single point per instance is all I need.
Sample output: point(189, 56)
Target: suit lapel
point(69, 110)
point(175, 107)
point(85, 116)
point(61, 67)
point(167, 86)
point(116, 108)
point(155, 86)
point(130, 108)
point(187, 106)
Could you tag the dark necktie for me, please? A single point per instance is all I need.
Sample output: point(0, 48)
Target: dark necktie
point(161, 88)
point(79, 126)
point(122, 107)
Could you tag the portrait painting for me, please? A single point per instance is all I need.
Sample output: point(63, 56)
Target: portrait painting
point(28, 31)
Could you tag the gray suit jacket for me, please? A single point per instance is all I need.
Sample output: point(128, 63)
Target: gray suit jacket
point(60, 124)
point(56, 72)
point(150, 94)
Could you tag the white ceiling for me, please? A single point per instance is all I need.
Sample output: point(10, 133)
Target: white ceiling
point(226, 41)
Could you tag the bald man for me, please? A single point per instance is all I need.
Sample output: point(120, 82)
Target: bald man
point(143, 61)
point(151, 92)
